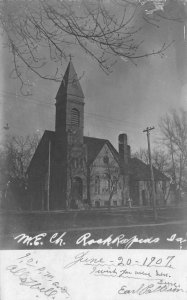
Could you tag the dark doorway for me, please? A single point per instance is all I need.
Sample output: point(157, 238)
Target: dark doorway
point(77, 189)
point(97, 204)
point(144, 199)
point(134, 192)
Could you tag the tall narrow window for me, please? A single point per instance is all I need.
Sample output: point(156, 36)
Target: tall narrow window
point(106, 183)
point(97, 185)
point(75, 117)
point(115, 182)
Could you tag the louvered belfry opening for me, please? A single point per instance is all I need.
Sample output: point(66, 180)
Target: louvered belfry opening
point(75, 117)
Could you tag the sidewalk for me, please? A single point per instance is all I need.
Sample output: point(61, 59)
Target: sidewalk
point(90, 210)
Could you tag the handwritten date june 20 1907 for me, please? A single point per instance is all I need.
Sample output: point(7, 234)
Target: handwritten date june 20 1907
point(140, 274)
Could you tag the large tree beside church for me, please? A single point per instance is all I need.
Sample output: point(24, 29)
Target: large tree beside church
point(15, 155)
point(170, 155)
point(173, 128)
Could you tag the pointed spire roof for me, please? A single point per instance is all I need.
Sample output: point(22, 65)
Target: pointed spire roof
point(70, 83)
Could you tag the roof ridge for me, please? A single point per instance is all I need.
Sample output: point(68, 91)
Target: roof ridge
point(92, 137)
point(46, 130)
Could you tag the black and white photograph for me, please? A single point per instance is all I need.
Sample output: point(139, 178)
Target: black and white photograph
point(93, 149)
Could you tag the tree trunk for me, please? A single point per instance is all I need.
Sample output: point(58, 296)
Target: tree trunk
point(110, 200)
point(88, 187)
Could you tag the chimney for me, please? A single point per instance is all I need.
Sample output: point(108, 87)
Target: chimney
point(129, 151)
point(124, 149)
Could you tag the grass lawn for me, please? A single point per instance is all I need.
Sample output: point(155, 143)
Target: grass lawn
point(100, 223)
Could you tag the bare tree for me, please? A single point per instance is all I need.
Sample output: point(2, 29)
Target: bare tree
point(160, 162)
point(15, 156)
point(18, 151)
point(173, 128)
point(142, 154)
point(159, 158)
point(40, 33)
point(111, 176)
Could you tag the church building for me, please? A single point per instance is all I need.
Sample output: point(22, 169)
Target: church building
point(69, 170)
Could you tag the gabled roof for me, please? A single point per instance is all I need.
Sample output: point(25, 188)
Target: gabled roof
point(137, 169)
point(70, 84)
point(140, 171)
point(41, 152)
point(94, 146)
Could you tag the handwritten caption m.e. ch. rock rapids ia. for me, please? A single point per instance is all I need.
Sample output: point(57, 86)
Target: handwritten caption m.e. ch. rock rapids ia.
point(88, 240)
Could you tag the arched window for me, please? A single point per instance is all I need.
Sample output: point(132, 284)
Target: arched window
point(106, 159)
point(75, 117)
point(97, 185)
point(106, 183)
point(115, 182)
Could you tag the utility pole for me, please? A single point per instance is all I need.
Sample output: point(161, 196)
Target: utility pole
point(174, 172)
point(147, 130)
point(49, 175)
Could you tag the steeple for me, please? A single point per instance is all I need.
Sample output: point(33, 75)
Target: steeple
point(70, 85)
point(70, 106)
point(69, 129)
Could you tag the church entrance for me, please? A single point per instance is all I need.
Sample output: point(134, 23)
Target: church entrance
point(77, 191)
point(144, 199)
point(134, 192)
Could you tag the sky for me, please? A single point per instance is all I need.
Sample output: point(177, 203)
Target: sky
point(126, 101)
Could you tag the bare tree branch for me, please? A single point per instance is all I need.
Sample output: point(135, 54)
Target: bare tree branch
point(42, 33)
point(173, 127)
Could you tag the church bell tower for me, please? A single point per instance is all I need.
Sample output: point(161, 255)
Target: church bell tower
point(70, 105)
point(69, 126)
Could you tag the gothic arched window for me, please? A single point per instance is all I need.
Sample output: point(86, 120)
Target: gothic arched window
point(115, 182)
point(106, 159)
point(106, 182)
point(75, 117)
point(97, 185)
